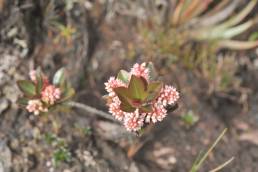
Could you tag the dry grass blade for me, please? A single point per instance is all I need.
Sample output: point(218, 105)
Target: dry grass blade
point(145, 137)
point(209, 20)
point(219, 7)
point(238, 45)
point(234, 31)
point(198, 163)
point(223, 165)
point(222, 32)
point(240, 16)
point(201, 8)
point(178, 12)
point(188, 14)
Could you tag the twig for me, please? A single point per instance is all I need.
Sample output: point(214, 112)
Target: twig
point(92, 110)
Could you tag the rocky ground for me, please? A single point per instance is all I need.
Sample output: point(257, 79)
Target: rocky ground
point(73, 141)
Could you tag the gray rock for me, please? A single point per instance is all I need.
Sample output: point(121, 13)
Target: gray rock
point(5, 157)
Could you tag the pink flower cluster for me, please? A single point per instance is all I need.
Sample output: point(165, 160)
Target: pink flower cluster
point(135, 120)
point(140, 70)
point(36, 106)
point(49, 95)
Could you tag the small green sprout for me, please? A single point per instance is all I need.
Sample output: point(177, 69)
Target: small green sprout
point(190, 118)
point(87, 131)
point(49, 138)
point(62, 154)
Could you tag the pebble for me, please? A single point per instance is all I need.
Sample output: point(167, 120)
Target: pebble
point(3, 105)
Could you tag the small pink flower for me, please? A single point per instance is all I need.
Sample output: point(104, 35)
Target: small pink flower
point(114, 109)
point(33, 77)
point(134, 121)
point(36, 106)
point(158, 114)
point(111, 84)
point(50, 94)
point(140, 71)
point(168, 95)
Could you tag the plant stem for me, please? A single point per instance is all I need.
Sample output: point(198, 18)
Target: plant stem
point(91, 110)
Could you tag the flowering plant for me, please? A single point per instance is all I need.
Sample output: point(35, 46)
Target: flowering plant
point(40, 96)
point(136, 98)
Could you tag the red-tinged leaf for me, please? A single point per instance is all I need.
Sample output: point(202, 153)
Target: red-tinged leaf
point(145, 83)
point(126, 107)
point(153, 90)
point(123, 95)
point(59, 77)
point(124, 76)
point(27, 87)
point(136, 102)
point(137, 87)
point(126, 104)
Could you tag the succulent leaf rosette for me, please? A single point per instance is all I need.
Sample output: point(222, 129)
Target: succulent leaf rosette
point(136, 98)
point(40, 96)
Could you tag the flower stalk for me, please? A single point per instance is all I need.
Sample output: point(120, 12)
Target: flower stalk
point(91, 110)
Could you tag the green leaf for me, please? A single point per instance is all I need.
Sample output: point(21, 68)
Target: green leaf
point(152, 72)
point(40, 81)
point(137, 87)
point(123, 76)
point(50, 138)
point(22, 101)
point(153, 90)
point(27, 87)
point(62, 154)
point(253, 36)
point(190, 118)
point(67, 94)
point(59, 77)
